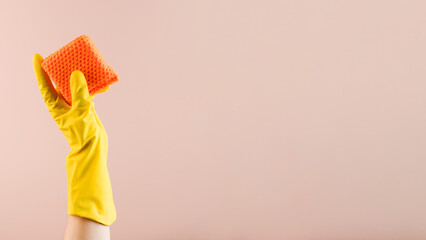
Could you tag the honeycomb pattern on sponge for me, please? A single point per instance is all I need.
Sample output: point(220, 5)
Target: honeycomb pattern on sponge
point(80, 54)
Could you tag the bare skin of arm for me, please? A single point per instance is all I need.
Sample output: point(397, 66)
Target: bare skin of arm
point(79, 228)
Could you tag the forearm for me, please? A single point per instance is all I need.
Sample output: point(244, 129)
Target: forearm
point(89, 188)
point(85, 229)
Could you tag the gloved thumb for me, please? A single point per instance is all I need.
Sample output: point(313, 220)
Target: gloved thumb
point(79, 91)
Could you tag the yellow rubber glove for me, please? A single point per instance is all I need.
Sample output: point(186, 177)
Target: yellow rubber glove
point(89, 186)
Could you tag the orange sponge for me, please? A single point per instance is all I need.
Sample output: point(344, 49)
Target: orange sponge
point(80, 54)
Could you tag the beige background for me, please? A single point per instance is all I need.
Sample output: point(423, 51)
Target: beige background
point(233, 120)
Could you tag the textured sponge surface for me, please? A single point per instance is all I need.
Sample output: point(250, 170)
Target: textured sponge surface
point(80, 54)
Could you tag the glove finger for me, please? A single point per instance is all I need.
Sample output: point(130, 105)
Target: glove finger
point(79, 91)
point(103, 89)
point(47, 90)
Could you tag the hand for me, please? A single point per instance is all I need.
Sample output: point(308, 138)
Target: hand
point(89, 187)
